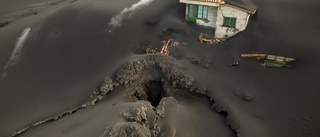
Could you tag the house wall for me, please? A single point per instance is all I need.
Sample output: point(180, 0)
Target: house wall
point(212, 18)
point(187, 13)
point(196, 2)
point(241, 22)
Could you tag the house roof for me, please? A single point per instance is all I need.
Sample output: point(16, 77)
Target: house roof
point(244, 5)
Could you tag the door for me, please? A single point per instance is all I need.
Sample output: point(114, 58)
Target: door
point(192, 13)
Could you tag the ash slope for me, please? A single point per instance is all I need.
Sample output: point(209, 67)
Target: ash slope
point(184, 109)
point(60, 72)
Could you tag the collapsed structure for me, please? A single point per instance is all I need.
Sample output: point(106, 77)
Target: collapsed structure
point(228, 17)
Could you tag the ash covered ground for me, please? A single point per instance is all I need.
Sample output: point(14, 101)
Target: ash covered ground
point(78, 68)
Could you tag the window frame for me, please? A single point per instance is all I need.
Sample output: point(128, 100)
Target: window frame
point(202, 12)
point(229, 22)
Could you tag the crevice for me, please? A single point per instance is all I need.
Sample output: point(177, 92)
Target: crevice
point(95, 98)
point(155, 92)
point(222, 111)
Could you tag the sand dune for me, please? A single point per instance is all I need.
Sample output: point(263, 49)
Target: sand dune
point(83, 80)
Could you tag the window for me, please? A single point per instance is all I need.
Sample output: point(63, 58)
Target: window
point(229, 22)
point(202, 12)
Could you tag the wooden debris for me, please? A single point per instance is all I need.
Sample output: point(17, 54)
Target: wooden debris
point(270, 60)
point(165, 47)
point(208, 39)
point(270, 63)
point(269, 57)
point(148, 50)
point(257, 56)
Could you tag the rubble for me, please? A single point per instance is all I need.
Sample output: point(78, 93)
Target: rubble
point(142, 112)
point(129, 129)
point(106, 86)
point(138, 112)
point(137, 73)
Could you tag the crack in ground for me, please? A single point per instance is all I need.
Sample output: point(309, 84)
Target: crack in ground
point(95, 98)
point(222, 111)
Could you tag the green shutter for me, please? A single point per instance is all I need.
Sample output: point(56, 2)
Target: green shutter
point(197, 12)
point(229, 22)
point(192, 12)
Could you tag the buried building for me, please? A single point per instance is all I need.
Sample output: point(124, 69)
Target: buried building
point(228, 17)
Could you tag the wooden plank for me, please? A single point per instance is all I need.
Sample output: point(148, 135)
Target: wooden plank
point(280, 59)
point(289, 59)
point(271, 57)
point(253, 55)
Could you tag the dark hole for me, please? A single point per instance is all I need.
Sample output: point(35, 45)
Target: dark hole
point(224, 113)
point(154, 92)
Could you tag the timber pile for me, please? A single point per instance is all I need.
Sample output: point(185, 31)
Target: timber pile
point(270, 60)
point(150, 50)
point(205, 38)
point(165, 47)
point(167, 44)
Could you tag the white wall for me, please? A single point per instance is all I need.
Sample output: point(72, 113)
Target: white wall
point(241, 23)
point(212, 18)
point(215, 20)
point(187, 11)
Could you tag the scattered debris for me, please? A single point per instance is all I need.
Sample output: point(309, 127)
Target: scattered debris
point(165, 47)
point(167, 44)
point(269, 57)
point(106, 86)
point(236, 63)
point(270, 63)
point(205, 38)
point(150, 50)
point(247, 97)
point(270, 60)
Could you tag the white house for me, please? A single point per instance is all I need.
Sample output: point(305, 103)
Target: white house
point(228, 17)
